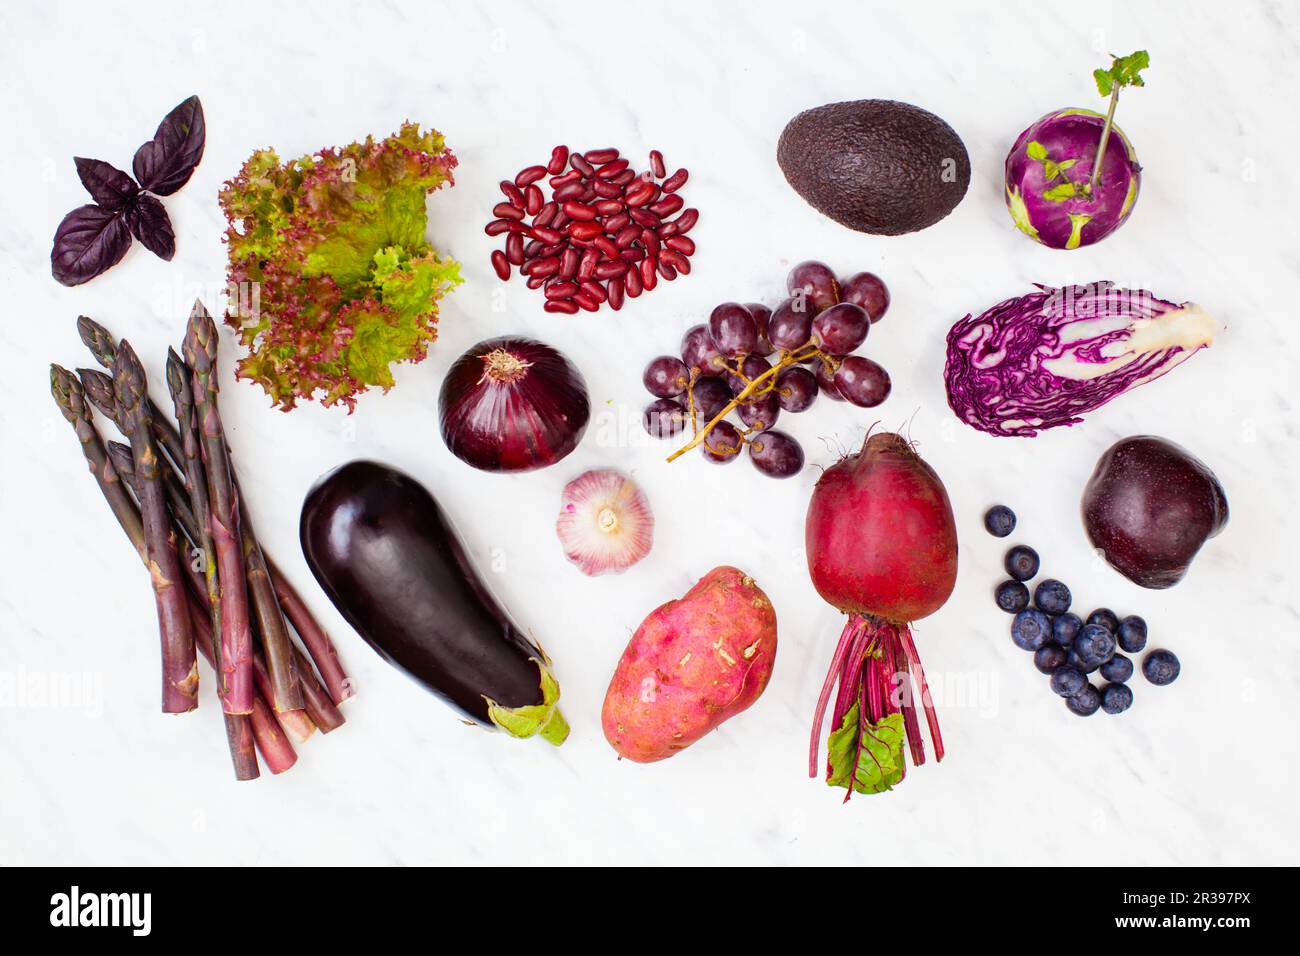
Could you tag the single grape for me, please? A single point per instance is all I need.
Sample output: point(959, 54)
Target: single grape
point(825, 376)
point(760, 413)
point(733, 330)
point(699, 353)
point(664, 418)
point(711, 396)
point(722, 443)
point(776, 454)
point(762, 315)
point(861, 381)
point(841, 328)
point(816, 283)
point(666, 376)
point(752, 367)
point(866, 290)
point(790, 326)
point(796, 388)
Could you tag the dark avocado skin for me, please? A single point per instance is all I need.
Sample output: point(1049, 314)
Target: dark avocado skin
point(875, 166)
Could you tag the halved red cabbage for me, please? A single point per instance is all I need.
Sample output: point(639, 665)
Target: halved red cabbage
point(1046, 358)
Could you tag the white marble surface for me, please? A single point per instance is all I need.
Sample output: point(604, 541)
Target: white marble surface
point(1197, 773)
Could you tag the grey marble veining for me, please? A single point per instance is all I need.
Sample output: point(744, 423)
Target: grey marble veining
point(1196, 773)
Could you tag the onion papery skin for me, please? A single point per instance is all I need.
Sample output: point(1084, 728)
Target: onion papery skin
point(513, 404)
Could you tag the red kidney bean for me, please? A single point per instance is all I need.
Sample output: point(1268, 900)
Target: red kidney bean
point(609, 207)
point(650, 241)
point(643, 217)
point(632, 283)
point(534, 248)
point(572, 176)
point(542, 267)
point(615, 294)
point(565, 306)
point(623, 178)
point(548, 235)
point(545, 215)
point(498, 226)
point(635, 254)
point(626, 236)
point(686, 221)
point(559, 156)
point(587, 301)
point(533, 200)
point(676, 181)
point(561, 290)
point(612, 169)
point(552, 250)
point(666, 206)
point(680, 243)
point(585, 230)
point(667, 271)
point(560, 220)
point(501, 265)
point(569, 263)
point(648, 266)
point(579, 211)
point(607, 246)
point(599, 156)
point(589, 193)
point(587, 265)
point(569, 192)
point(675, 260)
point(583, 167)
point(515, 248)
point(615, 223)
point(529, 175)
point(610, 269)
point(595, 290)
point(657, 164)
point(504, 210)
point(536, 282)
point(639, 194)
point(512, 193)
point(606, 190)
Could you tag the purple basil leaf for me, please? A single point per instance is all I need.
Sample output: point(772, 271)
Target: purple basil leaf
point(150, 224)
point(107, 185)
point(164, 164)
point(90, 240)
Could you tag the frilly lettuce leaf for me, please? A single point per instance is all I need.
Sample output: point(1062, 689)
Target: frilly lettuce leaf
point(335, 244)
point(871, 755)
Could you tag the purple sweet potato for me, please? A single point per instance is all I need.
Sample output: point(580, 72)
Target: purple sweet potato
point(692, 664)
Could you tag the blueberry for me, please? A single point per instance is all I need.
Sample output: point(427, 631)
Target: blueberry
point(1118, 669)
point(1030, 629)
point(1022, 562)
point(1052, 597)
point(1095, 644)
point(1132, 634)
point(1105, 617)
point(1049, 657)
point(1065, 628)
point(1086, 702)
point(1068, 681)
point(1075, 661)
point(1000, 521)
point(1116, 698)
point(1160, 667)
point(1012, 596)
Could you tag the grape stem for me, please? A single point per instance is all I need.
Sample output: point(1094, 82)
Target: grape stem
point(787, 359)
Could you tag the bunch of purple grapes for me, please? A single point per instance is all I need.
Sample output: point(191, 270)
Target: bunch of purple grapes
point(760, 362)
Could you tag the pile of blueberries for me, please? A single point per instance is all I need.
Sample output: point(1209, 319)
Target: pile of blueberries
point(1067, 647)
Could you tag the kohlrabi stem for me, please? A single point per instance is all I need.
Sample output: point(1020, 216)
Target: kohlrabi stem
point(1101, 144)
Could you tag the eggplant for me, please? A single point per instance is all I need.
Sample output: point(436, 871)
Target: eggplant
point(391, 561)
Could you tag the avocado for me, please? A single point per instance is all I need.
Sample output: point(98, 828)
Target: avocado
point(875, 166)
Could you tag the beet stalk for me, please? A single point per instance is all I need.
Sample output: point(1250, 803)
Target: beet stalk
point(180, 667)
point(236, 632)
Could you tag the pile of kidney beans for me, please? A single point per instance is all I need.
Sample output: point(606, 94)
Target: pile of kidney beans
point(602, 236)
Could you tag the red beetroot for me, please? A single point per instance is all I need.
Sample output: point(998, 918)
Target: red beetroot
point(882, 547)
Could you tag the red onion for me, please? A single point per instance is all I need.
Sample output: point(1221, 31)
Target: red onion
point(513, 404)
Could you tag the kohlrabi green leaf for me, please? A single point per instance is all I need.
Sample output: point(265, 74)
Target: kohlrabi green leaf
point(870, 755)
point(1123, 71)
